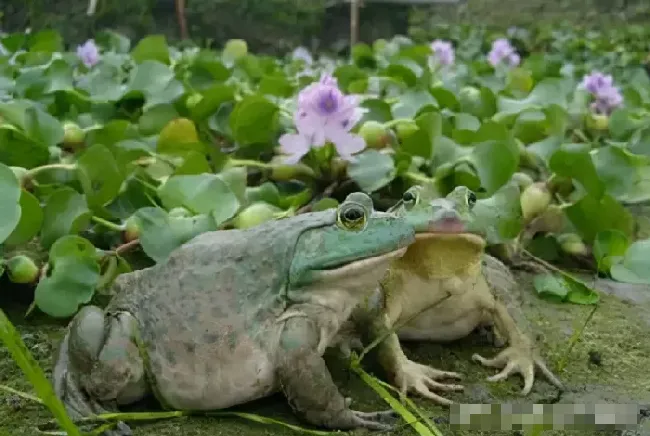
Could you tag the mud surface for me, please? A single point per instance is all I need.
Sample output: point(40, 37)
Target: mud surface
point(609, 363)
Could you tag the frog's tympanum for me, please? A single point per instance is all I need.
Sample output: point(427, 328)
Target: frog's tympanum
point(441, 290)
point(234, 315)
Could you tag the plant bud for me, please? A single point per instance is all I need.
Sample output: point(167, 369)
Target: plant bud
point(73, 136)
point(572, 244)
point(131, 230)
point(286, 172)
point(375, 134)
point(22, 269)
point(552, 220)
point(597, 121)
point(255, 214)
point(534, 200)
point(405, 129)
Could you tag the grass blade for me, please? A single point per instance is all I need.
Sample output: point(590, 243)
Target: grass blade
point(35, 374)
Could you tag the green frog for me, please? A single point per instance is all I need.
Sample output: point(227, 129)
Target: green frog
point(235, 315)
point(441, 290)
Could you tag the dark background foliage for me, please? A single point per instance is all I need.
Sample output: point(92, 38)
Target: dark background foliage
point(278, 25)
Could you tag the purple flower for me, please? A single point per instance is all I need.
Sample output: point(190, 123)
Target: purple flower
point(301, 53)
point(88, 53)
point(503, 51)
point(443, 52)
point(601, 87)
point(324, 114)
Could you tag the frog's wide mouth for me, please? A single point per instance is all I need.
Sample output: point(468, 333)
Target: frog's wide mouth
point(450, 228)
point(365, 263)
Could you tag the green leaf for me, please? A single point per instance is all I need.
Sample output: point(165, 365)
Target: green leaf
point(564, 288)
point(547, 92)
point(156, 82)
point(42, 127)
point(254, 120)
point(574, 161)
point(59, 75)
point(201, 194)
point(372, 170)
point(499, 216)
point(161, 233)
point(212, 99)
point(591, 215)
point(495, 156)
point(626, 176)
point(411, 102)
point(156, 118)
point(635, 266)
point(72, 277)
point(31, 219)
point(421, 142)
point(609, 245)
point(66, 212)
point(99, 175)
point(151, 48)
point(10, 211)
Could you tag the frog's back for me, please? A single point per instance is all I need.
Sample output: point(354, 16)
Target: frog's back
point(207, 313)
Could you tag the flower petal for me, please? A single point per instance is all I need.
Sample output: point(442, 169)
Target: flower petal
point(346, 143)
point(293, 145)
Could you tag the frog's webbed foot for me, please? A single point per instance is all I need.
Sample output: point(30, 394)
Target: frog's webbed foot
point(412, 376)
point(98, 366)
point(308, 385)
point(522, 360)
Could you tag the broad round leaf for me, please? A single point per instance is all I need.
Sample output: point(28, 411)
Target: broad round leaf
point(31, 219)
point(635, 267)
point(372, 170)
point(66, 212)
point(10, 201)
point(254, 120)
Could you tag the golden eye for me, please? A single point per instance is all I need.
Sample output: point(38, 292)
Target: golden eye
point(352, 217)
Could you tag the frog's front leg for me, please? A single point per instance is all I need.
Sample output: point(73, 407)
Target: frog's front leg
point(98, 365)
point(374, 322)
point(519, 356)
point(308, 385)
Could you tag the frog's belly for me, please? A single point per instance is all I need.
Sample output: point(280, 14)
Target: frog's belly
point(213, 376)
point(447, 322)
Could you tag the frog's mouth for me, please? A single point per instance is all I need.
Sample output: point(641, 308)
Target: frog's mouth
point(450, 228)
point(355, 267)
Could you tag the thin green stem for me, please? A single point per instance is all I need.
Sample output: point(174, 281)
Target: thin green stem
point(250, 163)
point(574, 340)
point(58, 166)
point(419, 178)
point(107, 224)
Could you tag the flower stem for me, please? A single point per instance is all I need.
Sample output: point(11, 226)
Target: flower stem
point(30, 174)
point(420, 178)
point(107, 224)
point(249, 163)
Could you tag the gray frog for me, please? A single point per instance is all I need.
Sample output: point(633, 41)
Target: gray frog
point(234, 315)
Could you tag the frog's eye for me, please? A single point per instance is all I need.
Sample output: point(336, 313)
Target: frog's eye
point(471, 199)
point(410, 198)
point(352, 217)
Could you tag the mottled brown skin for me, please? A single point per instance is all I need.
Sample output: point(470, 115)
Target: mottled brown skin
point(232, 316)
point(441, 290)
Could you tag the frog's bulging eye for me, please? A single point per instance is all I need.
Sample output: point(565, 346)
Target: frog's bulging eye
point(352, 217)
point(471, 199)
point(410, 198)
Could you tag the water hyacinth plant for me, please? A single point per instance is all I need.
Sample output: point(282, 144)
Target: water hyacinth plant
point(503, 52)
point(88, 53)
point(443, 52)
point(606, 96)
point(324, 114)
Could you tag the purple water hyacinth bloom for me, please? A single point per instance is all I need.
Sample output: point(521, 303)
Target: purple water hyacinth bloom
point(601, 86)
point(502, 51)
point(324, 114)
point(443, 51)
point(301, 53)
point(88, 53)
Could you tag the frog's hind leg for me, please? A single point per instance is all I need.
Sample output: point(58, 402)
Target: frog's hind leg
point(98, 366)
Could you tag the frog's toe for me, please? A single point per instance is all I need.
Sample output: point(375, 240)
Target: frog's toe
point(513, 360)
point(379, 421)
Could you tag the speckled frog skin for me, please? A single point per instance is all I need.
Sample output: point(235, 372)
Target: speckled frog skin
point(441, 290)
point(235, 315)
